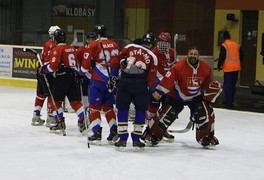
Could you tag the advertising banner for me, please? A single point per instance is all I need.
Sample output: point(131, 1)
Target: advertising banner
point(6, 61)
point(24, 63)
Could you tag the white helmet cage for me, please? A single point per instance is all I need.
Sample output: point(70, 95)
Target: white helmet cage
point(163, 46)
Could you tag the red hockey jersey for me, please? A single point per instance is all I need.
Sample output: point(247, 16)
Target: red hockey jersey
point(99, 72)
point(165, 62)
point(187, 82)
point(47, 47)
point(140, 56)
point(62, 55)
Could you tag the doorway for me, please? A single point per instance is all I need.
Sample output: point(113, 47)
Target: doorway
point(249, 47)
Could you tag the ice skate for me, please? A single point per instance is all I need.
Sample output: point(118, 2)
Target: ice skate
point(120, 146)
point(50, 121)
point(148, 138)
point(113, 136)
point(59, 126)
point(96, 138)
point(209, 141)
point(81, 125)
point(138, 146)
point(168, 137)
point(37, 121)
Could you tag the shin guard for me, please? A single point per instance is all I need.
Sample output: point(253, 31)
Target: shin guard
point(205, 125)
point(160, 123)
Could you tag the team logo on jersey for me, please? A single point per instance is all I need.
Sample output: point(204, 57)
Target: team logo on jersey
point(194, 84)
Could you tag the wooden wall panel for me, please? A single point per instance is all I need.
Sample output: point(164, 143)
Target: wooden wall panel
point(240, 4)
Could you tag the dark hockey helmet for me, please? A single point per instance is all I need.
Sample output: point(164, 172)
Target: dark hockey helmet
point(100, 29)
point(91, 35)
point(59, 36)
point(149, 38)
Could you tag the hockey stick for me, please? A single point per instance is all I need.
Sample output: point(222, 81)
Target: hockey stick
point(47, 83)
point(86, 119)
point(175, 46)
point(186, 129)
point(106, 63)
point(102, 47)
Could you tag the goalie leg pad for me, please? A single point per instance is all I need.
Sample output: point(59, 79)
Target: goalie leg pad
point(205, 125)
point(166, 117)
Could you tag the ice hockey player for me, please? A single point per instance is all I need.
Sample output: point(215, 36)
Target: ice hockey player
point(90, 36)
point(63, 64)
point(42, 90)
point(84, 80)
point(166, 60)
point(96, 59)
point(188, 83)
point(138, 72)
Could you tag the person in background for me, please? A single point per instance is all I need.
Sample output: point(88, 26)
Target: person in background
point(230, 58)
point(42, 89)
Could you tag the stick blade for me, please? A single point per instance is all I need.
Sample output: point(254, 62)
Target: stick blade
point(30, 50)
point(176, 36)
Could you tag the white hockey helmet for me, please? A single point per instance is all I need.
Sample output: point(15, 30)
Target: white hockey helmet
point(52, 29)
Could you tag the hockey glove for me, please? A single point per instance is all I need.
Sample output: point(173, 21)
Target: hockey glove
point(93, 63)
point(212, 91)
point(113, 80)
point(79, 78)
point(123, 63)
point(43, 69)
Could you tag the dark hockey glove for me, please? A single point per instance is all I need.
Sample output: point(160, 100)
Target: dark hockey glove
point(113, 80)
point(79, 78)
point(93, 63)
point(43, 69)
point(123, 63)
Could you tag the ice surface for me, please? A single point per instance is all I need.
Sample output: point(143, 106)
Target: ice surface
point(28, 152)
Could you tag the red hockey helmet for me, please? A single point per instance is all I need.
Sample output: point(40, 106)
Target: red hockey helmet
point(164, 36)
point(163, 44)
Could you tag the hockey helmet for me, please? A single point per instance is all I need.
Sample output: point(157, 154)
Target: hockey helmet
point(149, 38)
point(100, 29)
point(52, 29)
point(91, 35)
point(59, 36)
point(163, 44)
point(164, 36)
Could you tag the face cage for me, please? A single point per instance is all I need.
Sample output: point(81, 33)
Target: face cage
point(163, 47)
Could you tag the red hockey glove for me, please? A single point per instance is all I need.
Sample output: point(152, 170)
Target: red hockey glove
point(212, 91)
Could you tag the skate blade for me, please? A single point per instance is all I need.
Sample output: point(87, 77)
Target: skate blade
point(138, 149)
point(96, 143)
point(168, 140)
point(36, 124)
point(114, 140)
point(121, 149)
point(58, 132)
point(50, 125)
point(150, 144)
point(211, 146)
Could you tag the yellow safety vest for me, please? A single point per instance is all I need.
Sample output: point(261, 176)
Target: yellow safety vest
point(232, 61)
